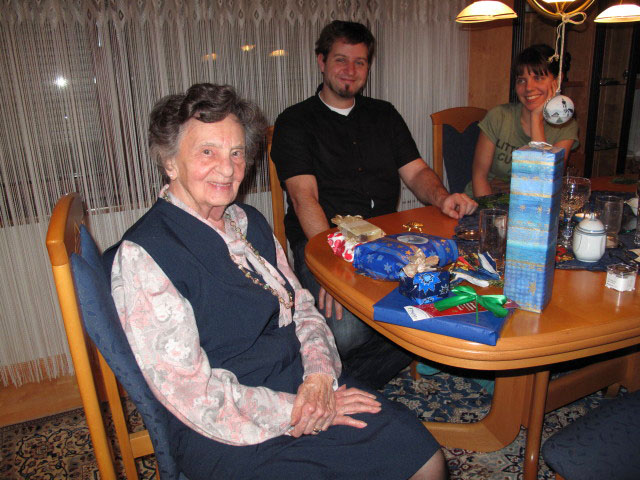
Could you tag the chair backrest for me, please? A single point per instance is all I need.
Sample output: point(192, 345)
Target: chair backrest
point(89, 308)
point(63, 239)
point(455, 133)
point(277, 197)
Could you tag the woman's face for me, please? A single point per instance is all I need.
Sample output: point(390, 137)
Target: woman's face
point(209, 166)
point(533, 90)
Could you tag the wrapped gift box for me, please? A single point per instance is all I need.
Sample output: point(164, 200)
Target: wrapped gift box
point(384, 258)
point(460, 322)
point(425, 287)
point(534, 206)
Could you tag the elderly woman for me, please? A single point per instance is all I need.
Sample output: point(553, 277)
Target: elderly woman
point(224, 334)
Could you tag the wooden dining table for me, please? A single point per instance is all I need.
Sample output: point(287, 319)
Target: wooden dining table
point(584, 319)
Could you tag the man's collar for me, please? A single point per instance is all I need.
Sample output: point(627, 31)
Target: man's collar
point(357, 100)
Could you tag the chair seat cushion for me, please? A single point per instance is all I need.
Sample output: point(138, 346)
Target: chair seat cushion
point(605, 443)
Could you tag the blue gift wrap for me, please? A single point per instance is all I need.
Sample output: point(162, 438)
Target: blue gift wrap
point(425, 287)
point(384, 258)
point(534, 207)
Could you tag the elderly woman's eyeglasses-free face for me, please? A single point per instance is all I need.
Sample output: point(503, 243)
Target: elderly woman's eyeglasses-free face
point(209, 166)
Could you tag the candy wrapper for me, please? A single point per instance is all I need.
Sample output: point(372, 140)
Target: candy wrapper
point(383, 259)
point(342, 247)
point(478, 269)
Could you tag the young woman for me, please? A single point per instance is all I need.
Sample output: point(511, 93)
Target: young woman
point(508, 127)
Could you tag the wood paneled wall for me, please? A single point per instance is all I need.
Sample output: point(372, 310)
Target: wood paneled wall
point(490, 62)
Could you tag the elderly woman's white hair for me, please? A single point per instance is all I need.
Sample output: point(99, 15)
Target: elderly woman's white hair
point(207, 103)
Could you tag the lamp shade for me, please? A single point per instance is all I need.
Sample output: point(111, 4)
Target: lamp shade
point(627, 12)
point(485, 11)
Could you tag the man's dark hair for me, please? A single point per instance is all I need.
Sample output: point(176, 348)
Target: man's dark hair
point(535, 59)
point(207, 103)
point(350, 32)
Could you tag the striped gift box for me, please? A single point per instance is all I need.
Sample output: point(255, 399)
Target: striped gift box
point(534, 206)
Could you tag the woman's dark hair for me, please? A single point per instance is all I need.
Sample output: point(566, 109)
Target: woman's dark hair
point(535, 59)
point(207, 103)
point(350, 32)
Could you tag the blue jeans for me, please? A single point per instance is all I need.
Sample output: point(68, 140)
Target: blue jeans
point(366, 355)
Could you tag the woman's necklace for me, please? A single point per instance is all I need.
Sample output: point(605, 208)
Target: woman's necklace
point(284, 302)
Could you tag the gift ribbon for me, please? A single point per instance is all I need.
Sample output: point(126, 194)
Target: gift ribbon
point(466, 294)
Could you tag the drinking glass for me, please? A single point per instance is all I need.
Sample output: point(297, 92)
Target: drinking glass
point(609, 208)
point(493, 234)
point(575, 193)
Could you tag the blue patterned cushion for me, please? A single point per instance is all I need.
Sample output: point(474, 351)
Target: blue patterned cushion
point(604, 444)
point(457, 155)
point(103, 326)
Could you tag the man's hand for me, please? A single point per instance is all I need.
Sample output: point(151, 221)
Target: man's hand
point(458, 205)
point(327, 303)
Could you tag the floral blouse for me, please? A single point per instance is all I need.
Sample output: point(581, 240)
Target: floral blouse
point(210, 401)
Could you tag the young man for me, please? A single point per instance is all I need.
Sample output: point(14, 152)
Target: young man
point(339, 152)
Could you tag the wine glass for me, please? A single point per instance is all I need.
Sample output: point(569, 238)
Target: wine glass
point(575, 193)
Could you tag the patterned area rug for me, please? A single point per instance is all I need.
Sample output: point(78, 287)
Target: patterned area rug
point(58, 447)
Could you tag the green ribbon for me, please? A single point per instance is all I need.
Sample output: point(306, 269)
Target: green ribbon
point(466, 294)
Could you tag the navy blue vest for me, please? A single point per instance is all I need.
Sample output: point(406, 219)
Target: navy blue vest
point(237, 320)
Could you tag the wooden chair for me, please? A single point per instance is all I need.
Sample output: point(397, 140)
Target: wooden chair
point(70, 247)
point(62, 240)
point(601, 444)
point(277, 197)
point(454, 141)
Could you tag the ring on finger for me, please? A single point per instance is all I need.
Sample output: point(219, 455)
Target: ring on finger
point(316, 431)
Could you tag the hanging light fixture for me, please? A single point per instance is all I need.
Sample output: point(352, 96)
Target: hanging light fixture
point(625, 12)
point(555, 9)
point(485, 11)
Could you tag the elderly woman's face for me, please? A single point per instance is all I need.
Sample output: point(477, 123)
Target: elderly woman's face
point(209, 166)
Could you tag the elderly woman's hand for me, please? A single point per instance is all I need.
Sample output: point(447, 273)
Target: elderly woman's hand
point(314, 408)
point(350, 401)
point(346, 401)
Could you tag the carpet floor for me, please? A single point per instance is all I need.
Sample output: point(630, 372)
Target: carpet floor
point(58, 447)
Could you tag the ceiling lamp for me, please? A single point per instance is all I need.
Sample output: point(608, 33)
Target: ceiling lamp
point(485, 11)
point(625, 12)
point(556, 8)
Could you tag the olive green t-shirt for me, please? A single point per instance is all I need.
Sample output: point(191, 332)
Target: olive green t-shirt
point(502, 126)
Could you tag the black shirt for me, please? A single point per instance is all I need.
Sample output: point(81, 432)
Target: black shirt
point(355, 158)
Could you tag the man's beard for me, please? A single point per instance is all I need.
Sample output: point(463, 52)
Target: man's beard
point(345, 92)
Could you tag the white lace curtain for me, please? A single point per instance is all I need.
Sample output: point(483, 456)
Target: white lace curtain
point(77, 82)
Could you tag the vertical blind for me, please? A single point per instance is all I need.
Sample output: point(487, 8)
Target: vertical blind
point(77, 82)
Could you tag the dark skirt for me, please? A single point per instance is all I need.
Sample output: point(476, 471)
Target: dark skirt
point(394, 445)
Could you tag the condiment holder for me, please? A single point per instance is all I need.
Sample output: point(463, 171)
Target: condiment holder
point(621, 277)
point(589, 239)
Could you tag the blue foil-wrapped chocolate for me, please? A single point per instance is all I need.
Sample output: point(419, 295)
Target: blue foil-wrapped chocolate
point(425, 287)
point(383, 259)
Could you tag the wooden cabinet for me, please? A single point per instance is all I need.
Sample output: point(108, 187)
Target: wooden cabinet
point(601, 82)
point(612, 89)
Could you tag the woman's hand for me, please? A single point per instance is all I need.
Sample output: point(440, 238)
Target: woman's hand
point(314, 408)
point(551, 92)
point(310, 417)
point(350, 401)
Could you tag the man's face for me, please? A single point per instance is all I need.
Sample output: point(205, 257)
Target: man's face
point(345, 69)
